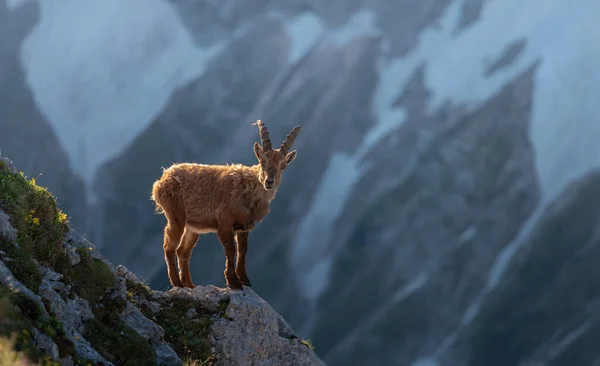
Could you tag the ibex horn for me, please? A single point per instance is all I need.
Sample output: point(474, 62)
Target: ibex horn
point(287, 144)
point(264, 136)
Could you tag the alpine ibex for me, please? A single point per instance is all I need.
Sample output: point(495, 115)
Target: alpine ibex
point(227, 199)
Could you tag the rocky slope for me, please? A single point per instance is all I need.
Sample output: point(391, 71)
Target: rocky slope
point(62, 301)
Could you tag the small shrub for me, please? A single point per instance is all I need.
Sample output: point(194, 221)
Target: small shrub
point(40, 225)
point(308, 344)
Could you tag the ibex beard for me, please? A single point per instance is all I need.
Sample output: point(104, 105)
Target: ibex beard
point(228, 200)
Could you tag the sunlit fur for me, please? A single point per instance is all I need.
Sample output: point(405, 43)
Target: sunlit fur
point(226, 199)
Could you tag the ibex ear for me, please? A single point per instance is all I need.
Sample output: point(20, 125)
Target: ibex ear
point(257, 150)
point(290, 157)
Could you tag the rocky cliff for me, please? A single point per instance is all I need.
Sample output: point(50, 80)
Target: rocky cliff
point(62, 301)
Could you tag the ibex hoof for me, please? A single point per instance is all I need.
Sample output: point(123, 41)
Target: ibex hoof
point(235, 286)
point(176, 283)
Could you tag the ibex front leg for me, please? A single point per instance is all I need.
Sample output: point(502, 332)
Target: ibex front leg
point(240, 265)
point(226, 237)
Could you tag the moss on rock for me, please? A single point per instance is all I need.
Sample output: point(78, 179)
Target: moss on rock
point(139, 295)
point(41, 226)
point(187, 335)
point(91, 278)
point(19, 315)
point(119, 343)
point(21, 264)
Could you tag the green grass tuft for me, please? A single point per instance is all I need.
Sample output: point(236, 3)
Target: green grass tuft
point(90, 279)
point(21, 264)
point(308, 344)
point(119, 343)
point(40, 226)
point(223, 304)
point(138, 294)
point(188, 337)
point(113, 339)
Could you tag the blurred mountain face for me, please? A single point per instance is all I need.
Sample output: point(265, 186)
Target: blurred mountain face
point(443, 208)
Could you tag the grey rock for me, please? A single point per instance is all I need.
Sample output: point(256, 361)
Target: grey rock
point(53, 279)
point(254, 335)
point(191, 313)
point(71, 313)
point(74, 238)
point(72, 255)
point(120, 290)
point(7, 278)
point(9, 164)
point(6, 229)
point(80, 311)
point(249, 333)
point(207, 297)
point(45, 343)
point(165, 355)
point(76, 313)
point(84, 349)
point(122, 271)
point(152, 305)
point(134, 318)
point(50, 275)
point(57, 304)
point(285, 330)
point(67, 361)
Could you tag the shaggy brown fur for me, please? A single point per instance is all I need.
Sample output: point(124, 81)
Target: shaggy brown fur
point(226, 199)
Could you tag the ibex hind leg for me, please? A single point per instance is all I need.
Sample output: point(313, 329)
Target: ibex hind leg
point(173, 232)
point(184, 254)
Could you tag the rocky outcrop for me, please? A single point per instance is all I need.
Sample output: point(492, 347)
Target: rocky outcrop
point(64, 301)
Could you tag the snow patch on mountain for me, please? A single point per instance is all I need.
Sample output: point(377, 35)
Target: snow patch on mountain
point(310, 247)
point(15, 4)
point(101, 70)
point(304, 31)
point(361, 24)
